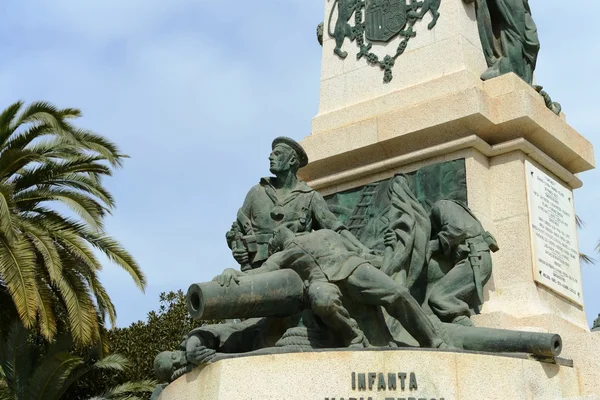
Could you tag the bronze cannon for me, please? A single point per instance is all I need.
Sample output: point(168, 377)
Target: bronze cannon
point(281, 293)
point(272, 294)
point(502, 340)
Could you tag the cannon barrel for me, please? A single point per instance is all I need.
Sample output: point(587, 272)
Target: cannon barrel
point(281, 293)
point(272, 294)
point(503, 340)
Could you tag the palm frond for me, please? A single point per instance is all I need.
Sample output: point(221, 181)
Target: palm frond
point(584, 258)
point(72, 243)
point(10, 113)
point(45, 246)
point(86, 186)
point(53, 220)
point(80, 307)
point(112, 362)
point(43, 174)
point(100, 145)
point(43, 113)
point(90, 210)
point(55, 148)
point(15, 357)
point(45, 301)
point(6, 120)
point(103, 301)
point(117, 254)
point(50, 376)
point(69, 113)
point(104, 340)
point(37, 129)
point(17, 270)
point(21, 140)
point(126, 390)
point(12, 161)
point(46, 257)
point(86, 164)
point(7, 205)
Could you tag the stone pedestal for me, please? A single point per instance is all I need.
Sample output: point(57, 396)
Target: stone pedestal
point(440, 60)
point(437, 109)
point(387, 374)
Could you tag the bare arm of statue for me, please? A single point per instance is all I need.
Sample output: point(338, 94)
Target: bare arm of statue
point(230, 275)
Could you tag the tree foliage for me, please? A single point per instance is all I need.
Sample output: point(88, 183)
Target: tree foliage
point(584, 258)
point(31, 372)
point(142, 341)
point(47, 262)
point(164, 330)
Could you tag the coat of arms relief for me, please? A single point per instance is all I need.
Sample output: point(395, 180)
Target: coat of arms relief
point(378, 21)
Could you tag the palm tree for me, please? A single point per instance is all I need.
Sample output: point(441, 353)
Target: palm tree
point(584, 258)
point(52, 206)
point(25, 375)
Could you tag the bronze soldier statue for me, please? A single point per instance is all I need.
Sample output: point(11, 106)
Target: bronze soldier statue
point(307, 283)
point(459, 238)
point(328, 266)
point(282, 199)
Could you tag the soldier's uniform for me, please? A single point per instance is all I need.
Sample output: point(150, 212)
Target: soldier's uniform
point(325, 263)
point(464, 243)
point(303, 210)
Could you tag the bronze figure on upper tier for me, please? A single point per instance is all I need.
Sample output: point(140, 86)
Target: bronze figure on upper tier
point(510, 41)
point(508, 36)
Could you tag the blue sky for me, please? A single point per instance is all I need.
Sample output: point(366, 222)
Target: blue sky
point(194, 91)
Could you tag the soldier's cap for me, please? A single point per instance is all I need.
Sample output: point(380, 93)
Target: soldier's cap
point(302, 157)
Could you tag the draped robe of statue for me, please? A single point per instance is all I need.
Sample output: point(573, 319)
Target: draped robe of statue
point(406, 263)
point(508, 37)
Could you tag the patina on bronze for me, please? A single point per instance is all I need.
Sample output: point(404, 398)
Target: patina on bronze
point(278, 293)
point(383, 21)
point(503, 340)
point(286, 289)
point(508, 37)
point(396, 263)
point(277, 200)
point(510, 41)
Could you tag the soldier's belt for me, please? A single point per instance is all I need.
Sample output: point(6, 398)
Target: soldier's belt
point(252, 241)
point(478, 245)
point(483, 242)
point(491, 241)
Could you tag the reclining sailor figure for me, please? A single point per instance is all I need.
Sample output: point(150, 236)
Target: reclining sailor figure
point(324, 262)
